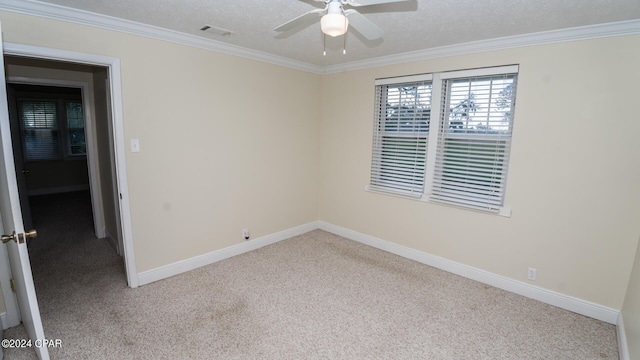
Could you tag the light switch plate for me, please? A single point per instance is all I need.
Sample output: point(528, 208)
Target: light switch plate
point(135, 145)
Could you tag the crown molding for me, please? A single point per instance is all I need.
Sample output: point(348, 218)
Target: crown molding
point(630, 27)
point(61, 13)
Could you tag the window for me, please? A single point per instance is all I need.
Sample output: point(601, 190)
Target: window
point(51, 129)
point(464, 159)
point(75, 128)
point(401, 136)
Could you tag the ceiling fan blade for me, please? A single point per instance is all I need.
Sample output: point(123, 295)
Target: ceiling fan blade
point(306, 18)
point(370, 2)
point(363, 25)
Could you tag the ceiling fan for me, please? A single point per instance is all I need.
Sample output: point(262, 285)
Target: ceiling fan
point(335, 20)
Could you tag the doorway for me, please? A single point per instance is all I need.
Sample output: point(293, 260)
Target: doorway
point(49, 141)
point(62, 136)
point(105, 95)
point(57, 112)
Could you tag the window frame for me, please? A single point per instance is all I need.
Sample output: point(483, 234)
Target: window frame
point(68, 153)
point(405, 143)
point(438, 119)
point(63, 129)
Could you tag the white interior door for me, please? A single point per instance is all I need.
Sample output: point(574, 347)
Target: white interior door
point(11, 222)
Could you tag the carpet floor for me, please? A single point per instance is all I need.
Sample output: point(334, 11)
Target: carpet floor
point(313, 296)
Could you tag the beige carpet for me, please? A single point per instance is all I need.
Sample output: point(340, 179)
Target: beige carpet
point(314, 296)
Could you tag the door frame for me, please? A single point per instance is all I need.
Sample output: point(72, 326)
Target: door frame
point(98, 215)
point(115, 88)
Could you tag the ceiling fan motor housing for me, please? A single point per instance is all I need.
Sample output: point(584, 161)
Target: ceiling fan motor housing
point(334, 23)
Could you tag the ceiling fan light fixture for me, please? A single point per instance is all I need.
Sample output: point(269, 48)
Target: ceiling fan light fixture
point(334, 24)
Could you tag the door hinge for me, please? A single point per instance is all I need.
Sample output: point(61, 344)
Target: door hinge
point(13, 285)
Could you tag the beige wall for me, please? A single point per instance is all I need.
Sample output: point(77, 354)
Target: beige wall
point(226, 142)
point(631, 310)
point(573, 178)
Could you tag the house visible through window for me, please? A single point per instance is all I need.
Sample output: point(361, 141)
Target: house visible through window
point(51, 127)
point(464, 159)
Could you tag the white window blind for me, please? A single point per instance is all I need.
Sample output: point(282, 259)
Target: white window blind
point(51, 129)
point(402, 115)
point(464, 159)
point(474, 139)
point(40, 132)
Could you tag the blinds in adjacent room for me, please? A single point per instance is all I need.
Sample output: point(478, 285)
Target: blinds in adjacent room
point(39, 129)
point(51, 129)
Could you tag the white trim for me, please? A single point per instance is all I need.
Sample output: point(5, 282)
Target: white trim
point(114, 172)
point(61, 13)
point(179, 267)
point(566, 302)
point(495, 70)
point(623, 346)
point(432, 142)
point(113, 64)
point(57, 190)
point(404, 79)
point(621, 28)
point(121, 172)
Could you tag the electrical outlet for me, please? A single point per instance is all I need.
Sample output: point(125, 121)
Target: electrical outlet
point(531, 274)
point(245, 234)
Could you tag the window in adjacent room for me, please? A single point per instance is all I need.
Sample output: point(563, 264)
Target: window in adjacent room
point(463, 160)
point(51, 129)
point(75, 128)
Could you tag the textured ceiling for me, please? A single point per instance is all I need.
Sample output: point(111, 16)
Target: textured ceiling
point(409, 26)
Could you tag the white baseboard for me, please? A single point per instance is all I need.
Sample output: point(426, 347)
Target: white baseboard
point(56, 190)
point(623, 347)
point(566, 302)
point(562, 301)
point(179, 267)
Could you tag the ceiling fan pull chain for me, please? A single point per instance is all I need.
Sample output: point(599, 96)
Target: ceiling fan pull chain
point(344, 44)
point(324, 45)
